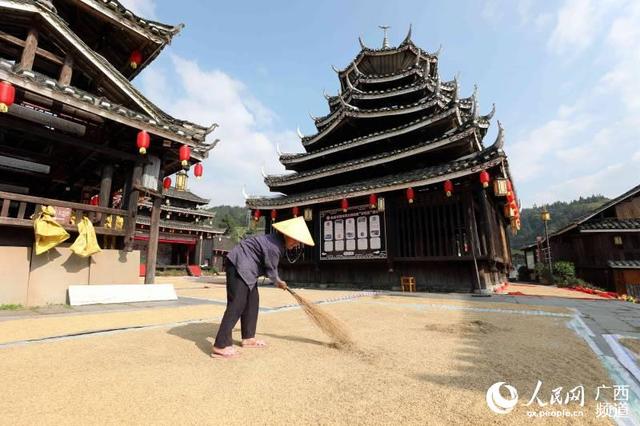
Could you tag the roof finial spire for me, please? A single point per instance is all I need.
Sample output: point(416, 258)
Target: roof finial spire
point(385, 41)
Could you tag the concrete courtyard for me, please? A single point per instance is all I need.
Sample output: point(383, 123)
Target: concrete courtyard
point(418, 359)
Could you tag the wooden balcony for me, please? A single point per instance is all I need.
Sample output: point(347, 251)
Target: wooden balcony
point(16, 210)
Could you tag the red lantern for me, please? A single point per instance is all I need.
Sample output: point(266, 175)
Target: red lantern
point(373, 201)
point(256, 215)
point(344, 205)
point(410, 195)
point(166, 183)
point(7, 96)
point(484, 178)
point(197, 170)
point(510, 197)
point(143, 141)
point(185, 155)
point(295, 211)
point(135, 59)
point(274, 214)
point(95, 200)
point(448, 187)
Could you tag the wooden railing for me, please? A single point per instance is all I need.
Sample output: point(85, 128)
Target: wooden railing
point(17, 209)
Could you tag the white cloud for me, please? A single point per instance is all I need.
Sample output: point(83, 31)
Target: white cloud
point(623, 39)
point(142, 8)
point(575, 26)
point(247, 128)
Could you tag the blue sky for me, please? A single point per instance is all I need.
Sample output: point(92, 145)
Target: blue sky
point(564, 77)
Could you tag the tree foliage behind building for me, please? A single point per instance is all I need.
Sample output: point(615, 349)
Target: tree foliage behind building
point(235, 220)
point(562, 213)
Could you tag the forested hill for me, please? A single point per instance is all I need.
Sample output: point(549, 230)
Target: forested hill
point(236, 214)
point(235, 220)
point(562, 213)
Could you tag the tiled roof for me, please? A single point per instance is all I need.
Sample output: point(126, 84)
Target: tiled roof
point(611, 224)
point(170, 208)
point(185, 195)
point(184, 131)
point(460, 134)
point(185, 226)
point(624, 264)
point(581, 220)
point(424, 176)
point(155, 28)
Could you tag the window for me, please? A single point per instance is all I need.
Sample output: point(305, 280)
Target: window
point(617, 240)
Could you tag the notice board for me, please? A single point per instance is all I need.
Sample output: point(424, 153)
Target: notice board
point(358, 233)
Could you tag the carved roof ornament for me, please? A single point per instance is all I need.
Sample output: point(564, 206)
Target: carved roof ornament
point(362, 45)
point(407, 39)
point(325, 94)
point(211, 128)
point(263, 172)
point(335, 69)
point(312, 117)
point(474, 102)
point(346, 105)
point(438, 52)
point(491, 113)
point(499, 143)
point(244, 193)
point(351, 86)
point(427, 67)
point(355, 68)
point(278, 150)
point(456, 86)
point(385, 41)
point(300, 135)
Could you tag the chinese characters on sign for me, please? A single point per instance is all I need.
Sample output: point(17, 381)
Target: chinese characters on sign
point(612, 401)
point(357, 234)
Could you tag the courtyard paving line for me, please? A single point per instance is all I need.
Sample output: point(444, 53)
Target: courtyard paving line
point(423, 306)
point(100, 332)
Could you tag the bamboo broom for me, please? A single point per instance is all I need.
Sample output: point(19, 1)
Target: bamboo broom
point(329, 325)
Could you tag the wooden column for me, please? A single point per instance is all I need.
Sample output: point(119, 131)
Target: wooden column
point(134, 193)
point(105, 185)
point(479, 278)
point(487, 230)
point(152, 249)
point(29, 51)
point(66, 71)
point(198, 251)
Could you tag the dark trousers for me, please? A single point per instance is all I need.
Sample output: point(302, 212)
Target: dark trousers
point(242, 304)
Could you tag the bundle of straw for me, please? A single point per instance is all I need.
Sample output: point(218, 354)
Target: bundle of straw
point(329, 325)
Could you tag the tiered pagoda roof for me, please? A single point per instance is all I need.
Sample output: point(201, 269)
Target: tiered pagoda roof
point(394, 124)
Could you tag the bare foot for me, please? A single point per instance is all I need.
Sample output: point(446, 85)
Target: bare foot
point(254, 343)
point(228, 352)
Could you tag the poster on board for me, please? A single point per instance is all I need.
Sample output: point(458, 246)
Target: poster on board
point(357, 234)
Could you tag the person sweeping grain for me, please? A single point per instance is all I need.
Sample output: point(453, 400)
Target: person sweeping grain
point(251, 258)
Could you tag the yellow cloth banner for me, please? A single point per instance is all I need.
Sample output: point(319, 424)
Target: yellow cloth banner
point(108, 223)
point(48, 232)
point(86, 244)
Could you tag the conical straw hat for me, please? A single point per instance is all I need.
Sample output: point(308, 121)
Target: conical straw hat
point(295, 228)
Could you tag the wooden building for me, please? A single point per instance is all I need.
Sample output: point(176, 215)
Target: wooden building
point(78, 136)
point(604, 245)
point(396, 182)
point(186, 231)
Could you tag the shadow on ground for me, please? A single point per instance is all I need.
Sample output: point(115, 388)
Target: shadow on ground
point(203, 335)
